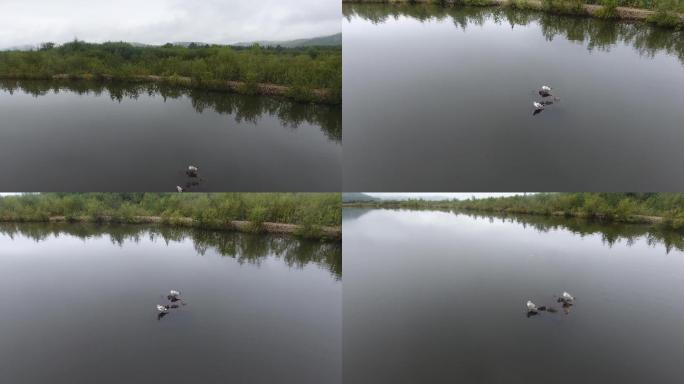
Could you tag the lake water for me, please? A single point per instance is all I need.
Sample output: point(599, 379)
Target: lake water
point(79, 306)
point(84, 136)
point(439, 297)
point(440, 98)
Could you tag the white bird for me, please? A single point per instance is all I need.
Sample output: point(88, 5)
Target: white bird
point(173, 295)
point(179, 188)
point(531, 307)
point(192, 170)
point(537, 106)
point(567, 298)
point(162, 308)
point(545, 91)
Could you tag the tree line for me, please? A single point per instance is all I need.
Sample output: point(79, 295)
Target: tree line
point(303, 70)
point(665, 12)
point(595, 32)
point(624, 207)
point(309, 210)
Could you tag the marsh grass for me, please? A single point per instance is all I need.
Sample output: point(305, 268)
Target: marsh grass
point(203, 66)
point(566, 7)
point(666, 18)
point(608, 9)
point(204, 210)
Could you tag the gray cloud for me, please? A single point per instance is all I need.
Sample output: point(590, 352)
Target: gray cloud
point(161, 21)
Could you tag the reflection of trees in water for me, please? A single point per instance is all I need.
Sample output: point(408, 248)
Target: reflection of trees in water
point(243, 108)
point(611, 233)
point(245, 248)
point(597, 33)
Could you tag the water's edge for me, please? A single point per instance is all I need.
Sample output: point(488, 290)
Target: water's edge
point(622, 13)
point(323, 233)
point(321, 96)
point(631, 219)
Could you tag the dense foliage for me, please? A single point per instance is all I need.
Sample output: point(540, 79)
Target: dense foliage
point(617, 205)
point(302, 69)
point(609, 206)
point(666, 11)
point(311, 210)
point(596, 34)
point(672, 5)
point(575, 7)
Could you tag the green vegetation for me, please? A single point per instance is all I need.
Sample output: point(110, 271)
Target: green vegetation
point(356, 197)
point(311, 211)
point(520, 4)
point(668, 13)
point(477, 3)
point(608, 9)
point(566, 7)
point(662, 208)
point(304, 74)
point(596, 34)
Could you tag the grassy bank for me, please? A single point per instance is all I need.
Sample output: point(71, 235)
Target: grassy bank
point(311, 215)
point(664, 13)
point(304, 74)
point(665, 209)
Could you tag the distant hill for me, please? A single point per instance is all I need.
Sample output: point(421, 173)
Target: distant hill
point(321, 41)
point(331, 40)
point(26, 47)
point(187, 43)
point(357, 198)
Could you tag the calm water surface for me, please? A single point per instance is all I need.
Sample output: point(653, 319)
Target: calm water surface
point(440, 98)
point(79, 306)
point(438, 297)
point(81, 136)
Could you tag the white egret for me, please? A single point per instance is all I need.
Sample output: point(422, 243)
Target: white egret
point(567, 298)
point(192, 171)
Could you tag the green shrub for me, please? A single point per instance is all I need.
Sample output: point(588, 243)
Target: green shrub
point(257, 216)
point(608, 9)
point(207, 66)
point(573, 7)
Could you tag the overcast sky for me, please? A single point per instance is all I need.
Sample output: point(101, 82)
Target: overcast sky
point(30, 22)
point(440, 195)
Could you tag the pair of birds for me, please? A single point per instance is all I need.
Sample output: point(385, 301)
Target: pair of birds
point(544, 91)
point(565, 298)
point(173, 296)
point(192, 171)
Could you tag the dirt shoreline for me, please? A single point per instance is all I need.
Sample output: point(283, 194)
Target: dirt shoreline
point(263, 89)
point(622, 13)
point(322, 233)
